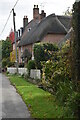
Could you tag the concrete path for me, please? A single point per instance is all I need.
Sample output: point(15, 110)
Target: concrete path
point(0, 96)
point(12, 104)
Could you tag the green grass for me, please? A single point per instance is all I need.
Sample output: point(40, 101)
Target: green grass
point(40, 103)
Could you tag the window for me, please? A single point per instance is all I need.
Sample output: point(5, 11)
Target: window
point(29, 29)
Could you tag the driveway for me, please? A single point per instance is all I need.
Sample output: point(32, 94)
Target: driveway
point(12, 104)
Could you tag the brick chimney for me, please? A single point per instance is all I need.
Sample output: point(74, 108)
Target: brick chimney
point(43, 14)
point(35, 12)
point(25, 21)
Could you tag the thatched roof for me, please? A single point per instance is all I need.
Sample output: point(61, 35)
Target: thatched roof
point(48, 25)
point(67, 37)
point(66, 21)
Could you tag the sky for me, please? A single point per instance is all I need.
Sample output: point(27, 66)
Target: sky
point(25, 8)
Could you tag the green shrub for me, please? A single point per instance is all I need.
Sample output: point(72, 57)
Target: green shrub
point(39, 55)
point(21, 65)
point(7, 72)
point(56, 73)
point(64, 90)
point(73, 104)
point(11, 64)
point(47, 72)
point(43, 52)
point(23, 75)
point(31, 65)
point(4, 63)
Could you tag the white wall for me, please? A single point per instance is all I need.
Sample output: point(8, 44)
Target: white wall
point(21, 71)
point(34, 73)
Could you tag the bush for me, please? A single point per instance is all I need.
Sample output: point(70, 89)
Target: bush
point(57, 68)
point(56, 75)
point(11, 64)
point(4, 63)
point(73, 104)
point(23, 75)
point(64, 90)
point(31, 65)
point(21, 65)
point(7, 72)
point(42, 52)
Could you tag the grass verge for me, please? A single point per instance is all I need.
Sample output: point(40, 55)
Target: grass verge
point(40, 103)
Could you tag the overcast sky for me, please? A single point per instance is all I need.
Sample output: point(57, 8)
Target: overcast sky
point(25, 7)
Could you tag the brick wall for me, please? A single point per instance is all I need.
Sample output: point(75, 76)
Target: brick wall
point(53, 38)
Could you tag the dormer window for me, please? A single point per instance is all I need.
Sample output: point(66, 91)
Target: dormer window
point(29, 29)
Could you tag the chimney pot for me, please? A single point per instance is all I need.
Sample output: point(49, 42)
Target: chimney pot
point(42, 11)
point(25, 21)
point(43, 14)
point(35, 12)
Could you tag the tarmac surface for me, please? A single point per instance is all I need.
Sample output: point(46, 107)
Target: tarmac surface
point(11, 104)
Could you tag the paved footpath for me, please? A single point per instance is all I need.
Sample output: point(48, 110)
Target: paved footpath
point(0, 96)
point(12, 104)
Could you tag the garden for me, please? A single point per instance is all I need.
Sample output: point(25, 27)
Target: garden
point(40, 103)
point(57, 93)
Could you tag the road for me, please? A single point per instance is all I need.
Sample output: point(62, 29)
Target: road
point(12, 104)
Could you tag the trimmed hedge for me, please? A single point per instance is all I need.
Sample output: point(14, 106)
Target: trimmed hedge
point(31, 65)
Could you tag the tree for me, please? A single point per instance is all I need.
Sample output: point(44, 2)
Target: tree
point(6, 49)
point(76, 40)
point(68, 12)
point(76, 49)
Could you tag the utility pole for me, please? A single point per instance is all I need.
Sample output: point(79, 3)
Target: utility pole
point(14, 14)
